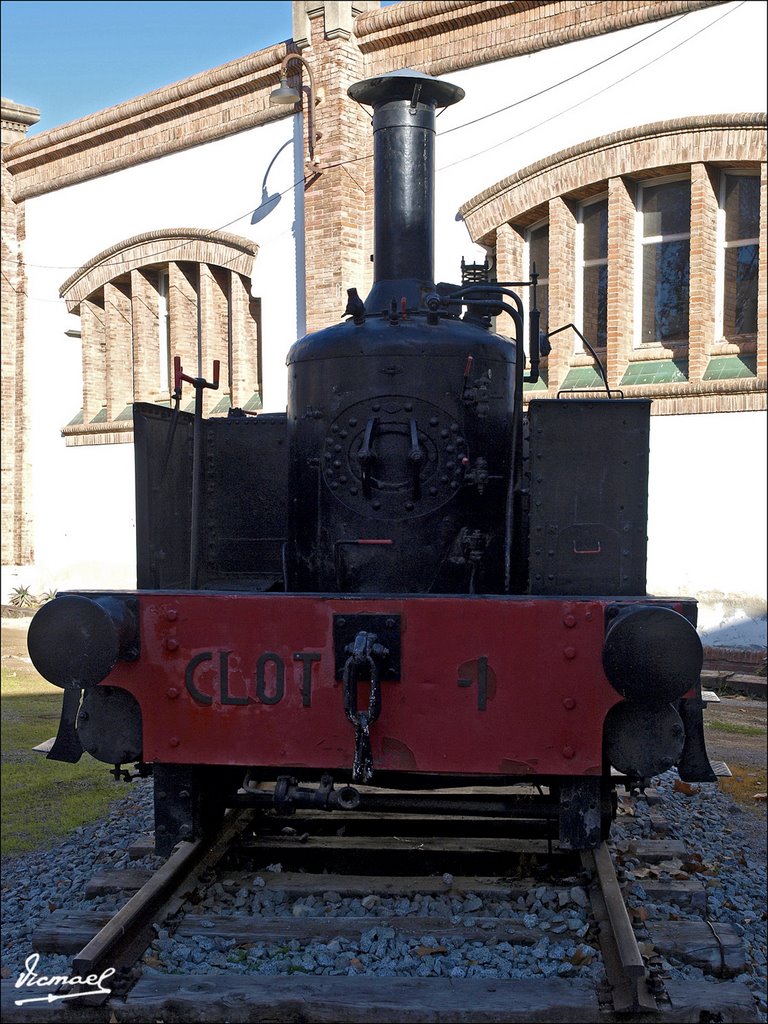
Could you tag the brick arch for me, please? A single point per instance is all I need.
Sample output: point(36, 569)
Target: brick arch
point(726, 138)
point(216, 248)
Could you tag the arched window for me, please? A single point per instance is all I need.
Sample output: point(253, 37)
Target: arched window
point(164, 293)
point(653, 252)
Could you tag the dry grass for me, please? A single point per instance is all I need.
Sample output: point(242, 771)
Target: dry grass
point(42, 800)
point(744, 784)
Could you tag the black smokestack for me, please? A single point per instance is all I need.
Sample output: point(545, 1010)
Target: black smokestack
point(404, 104)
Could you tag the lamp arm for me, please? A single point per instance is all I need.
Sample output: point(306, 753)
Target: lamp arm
point(312, 94)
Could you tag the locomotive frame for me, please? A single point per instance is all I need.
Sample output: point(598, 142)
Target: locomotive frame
point(402, 582)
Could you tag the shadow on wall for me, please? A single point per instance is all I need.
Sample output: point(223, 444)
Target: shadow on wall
point(748, 633)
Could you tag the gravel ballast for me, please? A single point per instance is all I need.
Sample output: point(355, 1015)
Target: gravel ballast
point(731, 844)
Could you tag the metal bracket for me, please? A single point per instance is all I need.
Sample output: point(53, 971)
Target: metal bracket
point(387, 630)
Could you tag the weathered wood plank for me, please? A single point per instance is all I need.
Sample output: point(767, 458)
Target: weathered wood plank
point(67, 931)
point(143, 847)
point(399, 844)
point(695, 943)
point(295, 883)
point(338, 1000)
point(654, 850)
point(116, 880)
point(257, 928)
point(729, 1001)
point(62, 1011)
point(688, 892)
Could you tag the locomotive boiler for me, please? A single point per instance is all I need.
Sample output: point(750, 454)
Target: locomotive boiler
point(405, 583)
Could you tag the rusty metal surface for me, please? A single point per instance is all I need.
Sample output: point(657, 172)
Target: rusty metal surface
point(504, 686)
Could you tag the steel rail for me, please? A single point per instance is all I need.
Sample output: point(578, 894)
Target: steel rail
point(624, 966)
point(125, 937)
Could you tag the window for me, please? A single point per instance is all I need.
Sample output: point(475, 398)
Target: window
point(538, 258)
point(150, 299)
point(593, 271)
point(664, 264)
point(740, 204)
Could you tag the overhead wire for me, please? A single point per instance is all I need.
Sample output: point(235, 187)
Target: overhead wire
point(592, 96)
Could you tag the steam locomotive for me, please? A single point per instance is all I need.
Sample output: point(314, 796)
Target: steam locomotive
point(404, 588)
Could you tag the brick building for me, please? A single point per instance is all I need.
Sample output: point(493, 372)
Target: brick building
point(595, 140)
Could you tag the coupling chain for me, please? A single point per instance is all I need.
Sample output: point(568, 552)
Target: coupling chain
point(362, 661)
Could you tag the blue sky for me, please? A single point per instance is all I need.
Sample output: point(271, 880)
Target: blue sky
point(70, 59)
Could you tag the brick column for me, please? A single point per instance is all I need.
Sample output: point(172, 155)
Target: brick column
point(246, 372)
point(510, 266)
point(93, 341)
point(762, 280)
point(15, 511)
point(621, 278)
point(703, 291)
point(119, 349)
point(338, 204)
point(146, 338)
point(214, 315)
point(562, 288)
point(182, 312)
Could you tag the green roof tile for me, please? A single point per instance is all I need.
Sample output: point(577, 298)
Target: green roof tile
point(223, 405)
point(657, 371)
point(253, 403)
point(731, 367)
point(540, 385)
point(582, 377)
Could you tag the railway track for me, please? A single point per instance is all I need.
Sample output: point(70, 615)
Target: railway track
point(356, 885)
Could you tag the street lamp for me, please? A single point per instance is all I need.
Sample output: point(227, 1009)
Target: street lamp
point(285, 95)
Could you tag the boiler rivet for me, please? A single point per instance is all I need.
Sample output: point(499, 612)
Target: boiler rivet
point(568, 752)
point(171, 615)
point(377, 505)
point(172, 692)
point(569, 703)
point(570, 653)
point(171, 644)
point(409, 506)
point(569, 621)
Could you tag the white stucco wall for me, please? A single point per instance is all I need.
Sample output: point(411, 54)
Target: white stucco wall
point(707, 518)
point(83, 497)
